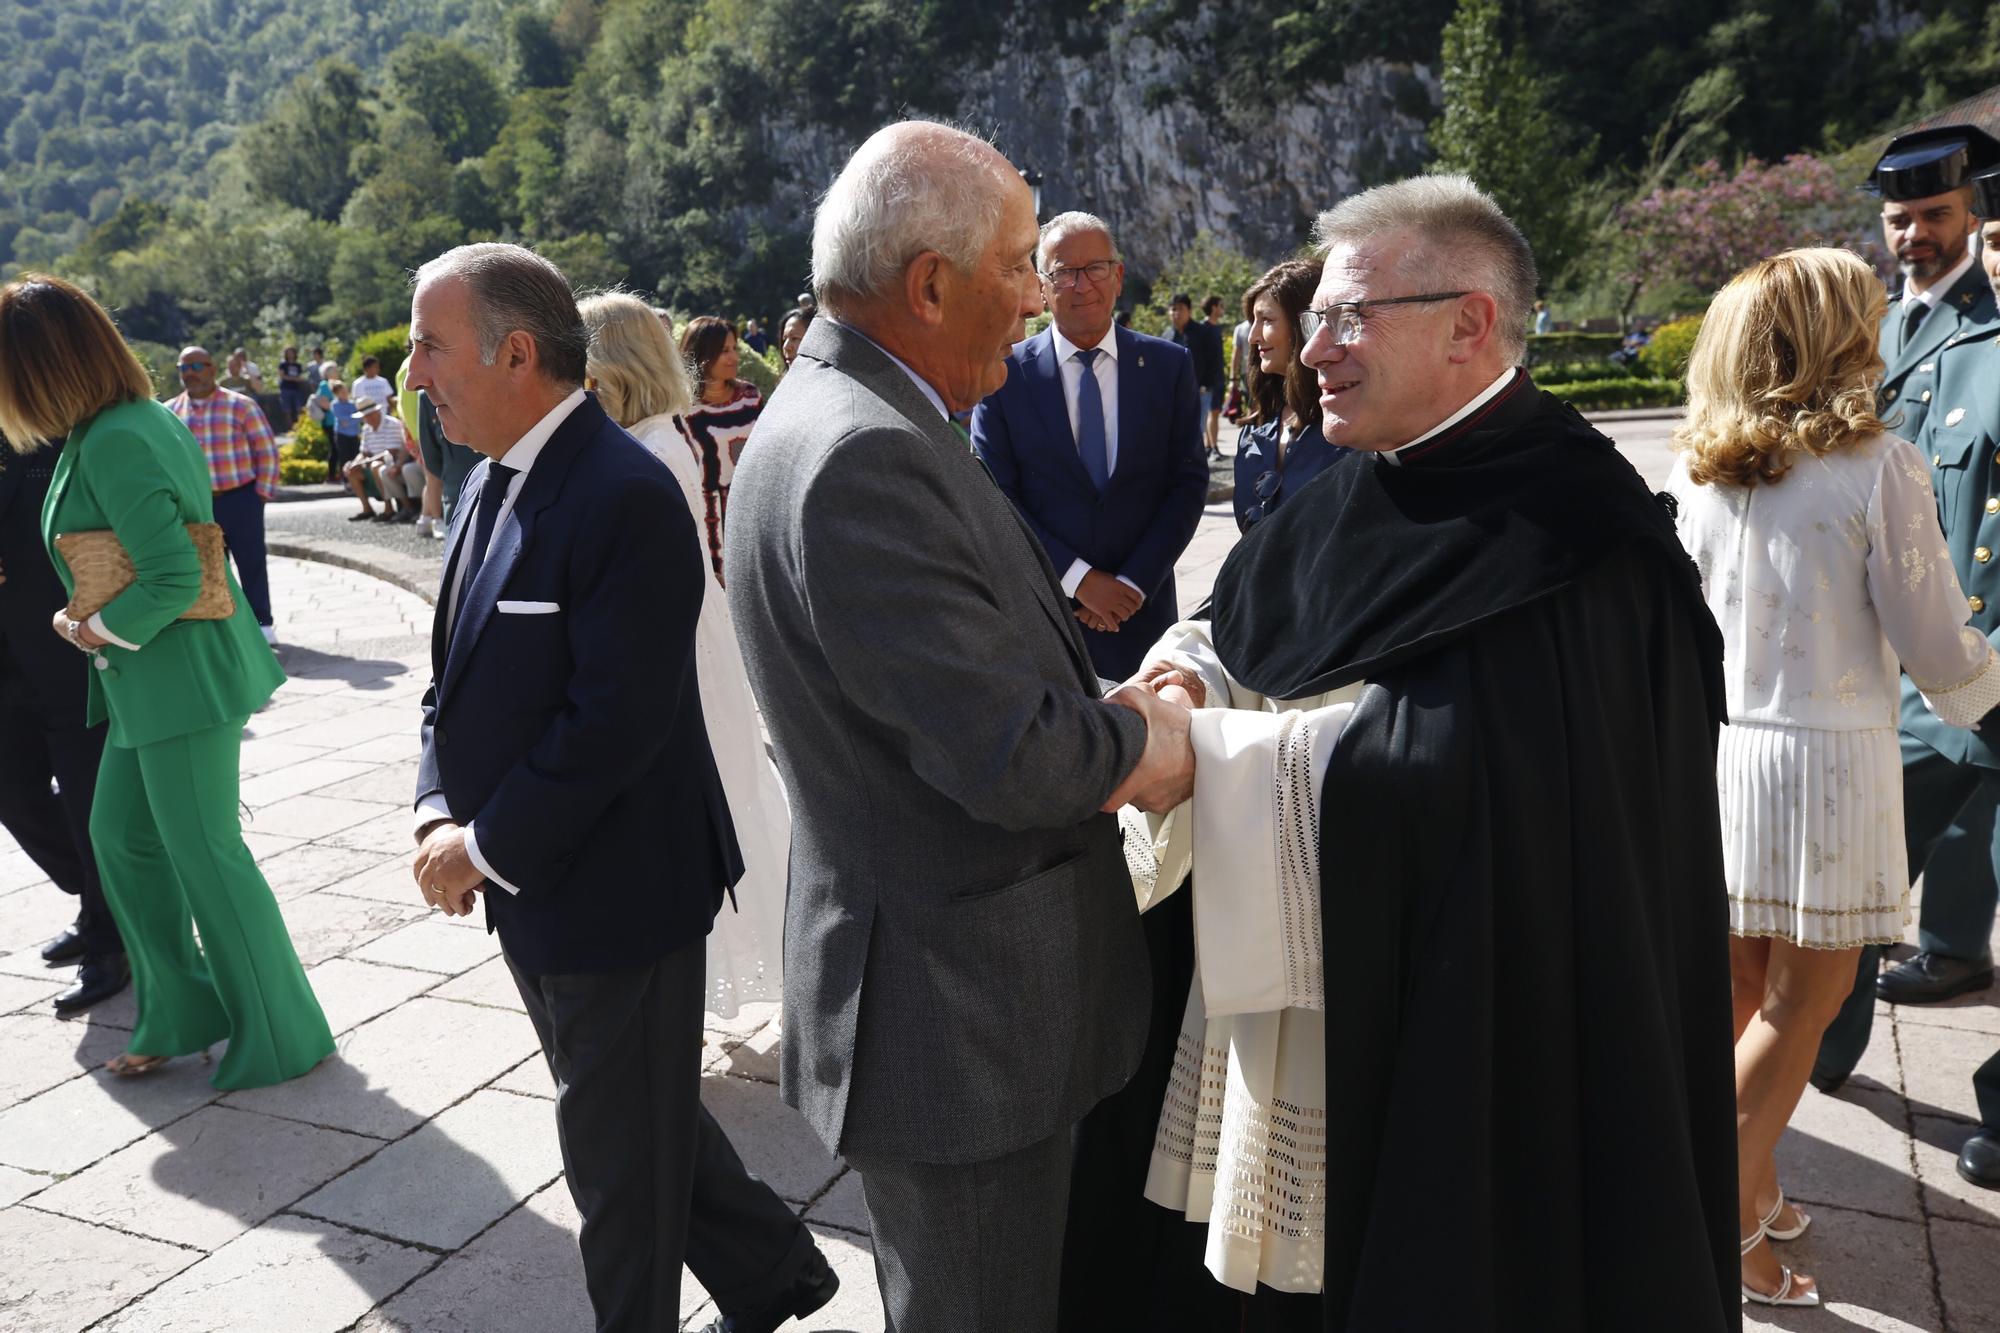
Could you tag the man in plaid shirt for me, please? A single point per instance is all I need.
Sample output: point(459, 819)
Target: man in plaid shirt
point(242, 467)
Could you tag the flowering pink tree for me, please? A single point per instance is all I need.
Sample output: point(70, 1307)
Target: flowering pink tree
point(1712, 225)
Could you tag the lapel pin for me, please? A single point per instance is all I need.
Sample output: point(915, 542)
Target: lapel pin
point(1142, 361)
point(1953, 417)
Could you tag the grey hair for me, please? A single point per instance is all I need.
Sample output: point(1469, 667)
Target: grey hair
point(903, 192)
point(513, 288)
point(1065, 225)
point(1462, 240)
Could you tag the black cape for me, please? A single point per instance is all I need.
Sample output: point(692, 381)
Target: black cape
point(1529, 1066)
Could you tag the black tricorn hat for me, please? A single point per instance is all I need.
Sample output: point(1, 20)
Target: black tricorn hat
point(1923, 163)
point(1986, 195)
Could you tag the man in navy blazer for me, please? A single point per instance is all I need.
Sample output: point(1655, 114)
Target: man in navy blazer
point(566, 776)
point(1096, 438)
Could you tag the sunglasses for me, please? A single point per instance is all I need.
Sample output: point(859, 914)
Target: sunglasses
point(187, 366)
point(1268, 487)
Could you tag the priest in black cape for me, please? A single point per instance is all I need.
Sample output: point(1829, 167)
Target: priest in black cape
point(1530, 1115)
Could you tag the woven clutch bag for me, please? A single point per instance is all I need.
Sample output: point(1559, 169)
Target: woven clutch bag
point(102, 570)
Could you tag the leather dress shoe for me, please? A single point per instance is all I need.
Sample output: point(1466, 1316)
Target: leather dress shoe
point(812, 1289)
point(64, 948)
point(101, 976)
point(1828, 1081)
point(1979, 1159)
point(1931, 977)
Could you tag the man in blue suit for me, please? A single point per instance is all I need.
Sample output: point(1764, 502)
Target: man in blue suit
point(566, 776)
point(1096, 438)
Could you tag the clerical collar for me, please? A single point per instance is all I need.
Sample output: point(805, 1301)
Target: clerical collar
point(936, 399)
point(1936, 292)
point(1065, 349)
point(1485, 397)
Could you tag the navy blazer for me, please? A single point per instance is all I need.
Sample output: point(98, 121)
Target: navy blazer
point(1256, 447)
point(573, 740)
point(1152, 503)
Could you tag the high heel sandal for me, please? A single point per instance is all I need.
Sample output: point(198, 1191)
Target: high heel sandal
point(128, 1065)
point(1805, 1220)
point(1784, 1295)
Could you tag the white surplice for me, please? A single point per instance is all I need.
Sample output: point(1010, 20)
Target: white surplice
point(744, 947)
point(1241, 1144)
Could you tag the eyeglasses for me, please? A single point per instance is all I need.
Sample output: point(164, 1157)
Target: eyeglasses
point(187, 366)
point(1063, 279)
point(1346, 315)
point(1267, 488)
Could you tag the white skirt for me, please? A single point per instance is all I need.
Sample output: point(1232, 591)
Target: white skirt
point(1812, 834)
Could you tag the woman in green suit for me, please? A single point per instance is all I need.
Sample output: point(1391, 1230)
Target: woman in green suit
point(177, 692)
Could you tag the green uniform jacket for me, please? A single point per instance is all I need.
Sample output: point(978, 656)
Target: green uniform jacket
point(1962, 443)
point(135, 469)
point(1914, 375)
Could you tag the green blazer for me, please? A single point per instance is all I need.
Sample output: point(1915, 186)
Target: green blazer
point(1962, 445)
point(1916, 375)
point(135, 469)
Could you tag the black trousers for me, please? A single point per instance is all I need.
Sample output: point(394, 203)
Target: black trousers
point(38, 744)
point(655, 1177)
point(1947, 834)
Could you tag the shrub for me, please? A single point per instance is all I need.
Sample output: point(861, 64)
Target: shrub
point(1666, 356)
point(1582, 372)
point(309, 438)
point(1546, 348)
point(391, 345)
point(1614, 395)
point(301, 471)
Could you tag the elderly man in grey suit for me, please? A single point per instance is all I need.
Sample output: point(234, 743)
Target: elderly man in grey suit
point(965, 975)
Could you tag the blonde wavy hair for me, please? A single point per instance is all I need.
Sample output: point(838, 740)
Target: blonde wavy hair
point(1786, 363)
point(635, 370)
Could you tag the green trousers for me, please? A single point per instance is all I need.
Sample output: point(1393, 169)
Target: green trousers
point(170, 851)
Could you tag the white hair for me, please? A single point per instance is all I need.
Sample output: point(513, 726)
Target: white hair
point(913, 186)
point(1461, 240)
point(1065, 225)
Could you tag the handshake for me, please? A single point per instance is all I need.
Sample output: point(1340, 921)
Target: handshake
point(1165, 696)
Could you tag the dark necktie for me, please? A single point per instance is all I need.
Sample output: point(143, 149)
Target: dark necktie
point(1090, 442)
point(1913, 315)
point(491, 496)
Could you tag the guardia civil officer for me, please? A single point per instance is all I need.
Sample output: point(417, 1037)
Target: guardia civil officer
point(1941, 390)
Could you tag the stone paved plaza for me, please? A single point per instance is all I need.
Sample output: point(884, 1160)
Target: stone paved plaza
point(412, 1182)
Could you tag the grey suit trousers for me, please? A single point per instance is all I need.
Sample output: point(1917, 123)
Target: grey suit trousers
point(973, 1247)
point(625, 1051)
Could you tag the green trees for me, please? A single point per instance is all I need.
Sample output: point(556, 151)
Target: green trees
point(1498, 128)
point(302, 151)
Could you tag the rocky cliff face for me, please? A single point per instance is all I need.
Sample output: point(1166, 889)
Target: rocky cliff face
point(1139, 136)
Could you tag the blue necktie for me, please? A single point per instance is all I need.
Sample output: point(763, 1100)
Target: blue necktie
point(491, 496)
point(1090, 443)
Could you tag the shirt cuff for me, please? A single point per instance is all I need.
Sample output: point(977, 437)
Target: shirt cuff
point(472, 851)
point(430, 810)
point(1133, 586)
point(1073, 579)
point(97, 626)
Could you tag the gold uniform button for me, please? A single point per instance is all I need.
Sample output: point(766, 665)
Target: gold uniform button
point(1937, 460)
point(1993, 504)
point(1890, 396)
point(1976, 602)
point(1982, 554)
point(1927, 395)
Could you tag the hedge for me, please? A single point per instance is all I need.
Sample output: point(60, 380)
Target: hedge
point(1613, 395)
point(1548, 348)
point(1666, 356)
point(1582, 372)
point(301, 471)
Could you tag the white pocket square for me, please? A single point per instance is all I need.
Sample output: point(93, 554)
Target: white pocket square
point(507, 608)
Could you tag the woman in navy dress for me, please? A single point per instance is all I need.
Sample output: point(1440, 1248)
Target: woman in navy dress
point(1280, 448)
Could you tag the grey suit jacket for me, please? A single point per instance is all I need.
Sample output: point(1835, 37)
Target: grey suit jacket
point(964, 969)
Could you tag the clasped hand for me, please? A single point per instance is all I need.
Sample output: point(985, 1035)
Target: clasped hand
point(1165, 696)
point(1108, 602)
point(444, 872)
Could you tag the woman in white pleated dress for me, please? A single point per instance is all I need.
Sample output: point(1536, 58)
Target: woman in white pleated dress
point(1816, 534)
point(641, 381)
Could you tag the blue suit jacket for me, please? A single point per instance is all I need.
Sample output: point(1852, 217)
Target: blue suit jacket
point(573, 741)
point(1150, 506)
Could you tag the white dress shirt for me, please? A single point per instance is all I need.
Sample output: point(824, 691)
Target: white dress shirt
point(1069, 369)
point(1486, 396)
point(521, 458)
